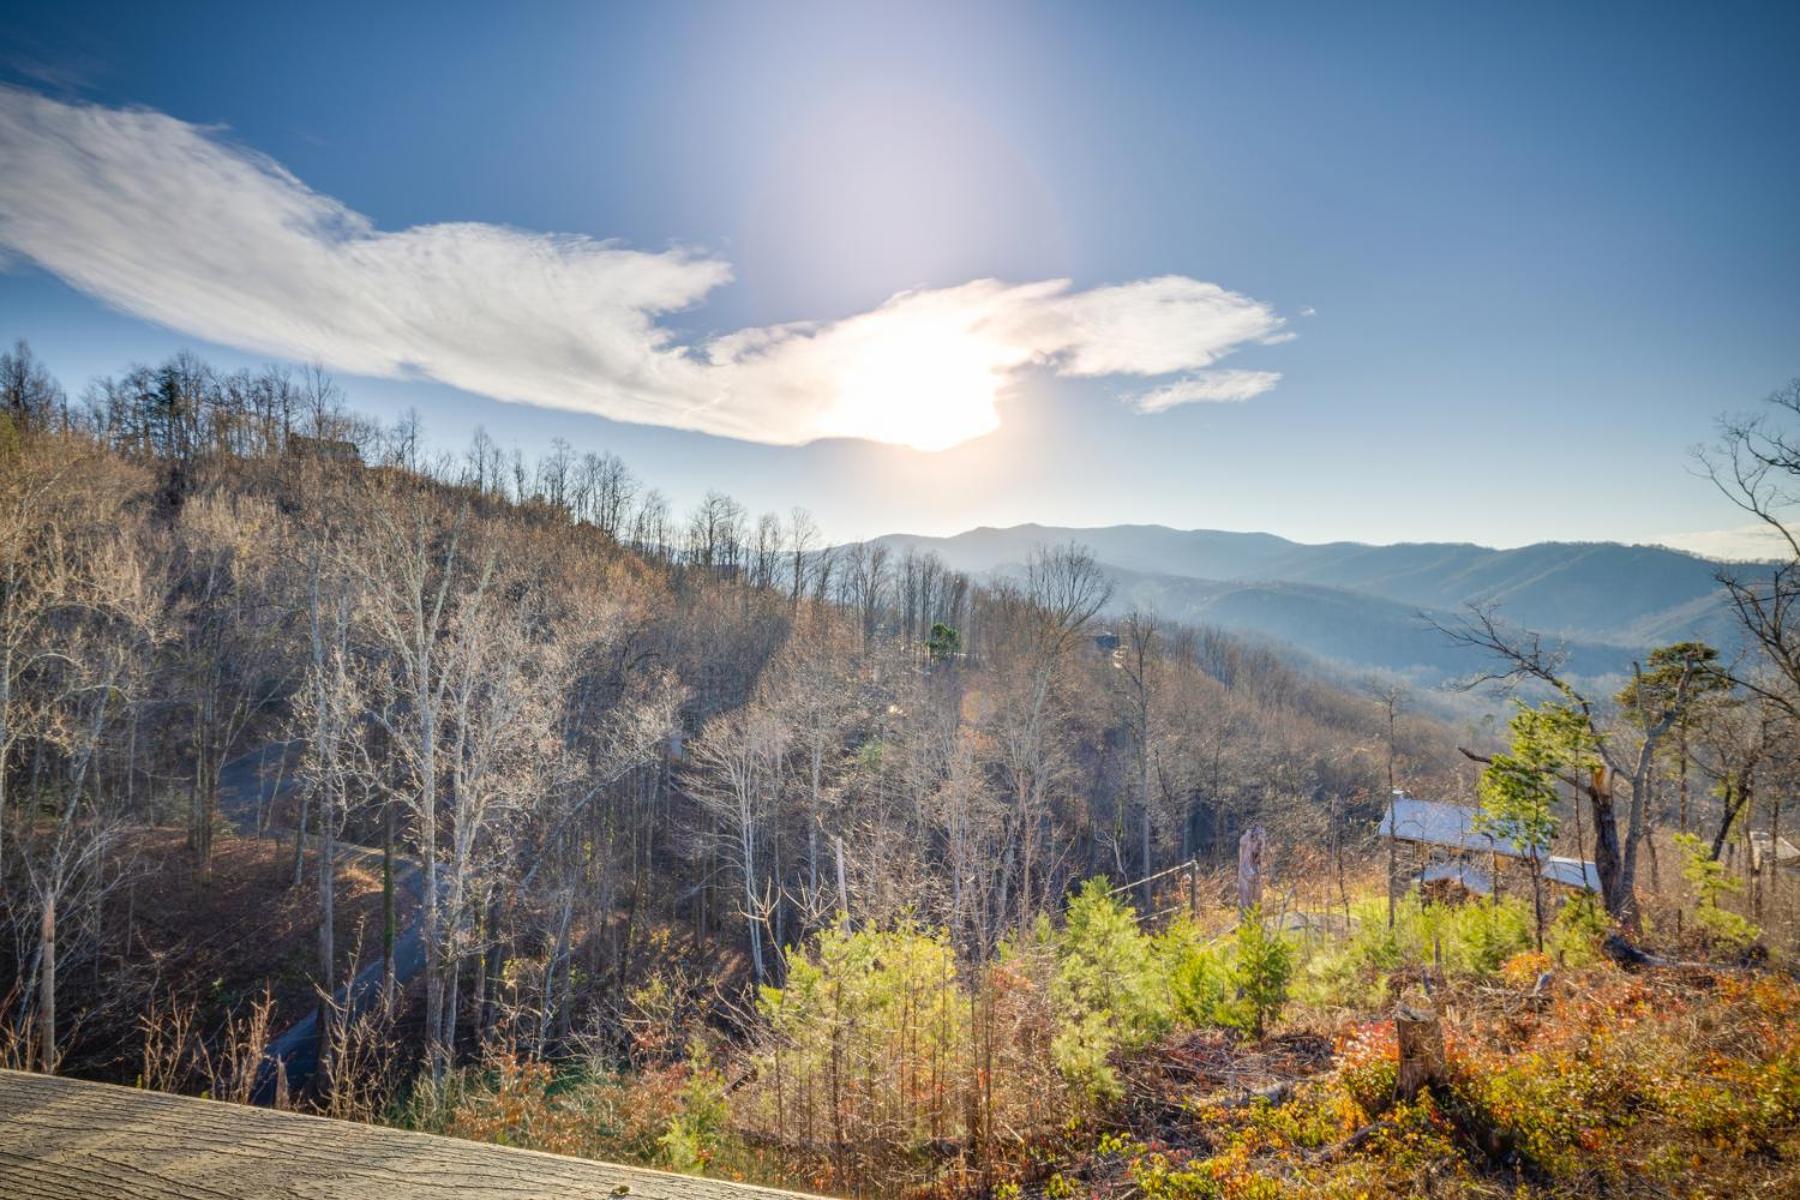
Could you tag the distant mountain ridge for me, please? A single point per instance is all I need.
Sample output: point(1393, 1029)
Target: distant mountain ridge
point(1360, 603)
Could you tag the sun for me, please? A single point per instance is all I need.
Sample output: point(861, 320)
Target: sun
point(920, 380)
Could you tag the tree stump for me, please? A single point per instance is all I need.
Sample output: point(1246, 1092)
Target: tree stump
point(1251, 847)
point(1420, 1032)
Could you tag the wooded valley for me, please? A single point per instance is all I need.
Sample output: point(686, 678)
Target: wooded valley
point(497, 797)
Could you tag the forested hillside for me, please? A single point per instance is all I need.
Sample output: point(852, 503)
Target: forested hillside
point(494, 797)
point(1348, 630)
point(593, 721)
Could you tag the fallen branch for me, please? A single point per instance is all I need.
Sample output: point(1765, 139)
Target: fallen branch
point(1632, 957)
point(1347, 1145)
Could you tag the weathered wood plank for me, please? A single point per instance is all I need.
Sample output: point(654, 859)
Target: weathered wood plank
point(65, 1139)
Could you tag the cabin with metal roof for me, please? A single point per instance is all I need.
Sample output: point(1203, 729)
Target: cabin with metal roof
point(1767, 850)
point(1453, 831)
point(1450, 826)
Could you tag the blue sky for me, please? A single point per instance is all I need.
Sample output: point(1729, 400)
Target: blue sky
point(1414, 271)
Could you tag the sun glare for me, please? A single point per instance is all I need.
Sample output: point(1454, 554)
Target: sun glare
point(924, 382)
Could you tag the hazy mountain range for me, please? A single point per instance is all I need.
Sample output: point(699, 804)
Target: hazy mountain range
point(1361, 605)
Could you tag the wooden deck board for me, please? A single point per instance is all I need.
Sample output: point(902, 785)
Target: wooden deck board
point(66, 1139)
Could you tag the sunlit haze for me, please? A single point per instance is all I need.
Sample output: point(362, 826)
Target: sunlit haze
point(1242, 269)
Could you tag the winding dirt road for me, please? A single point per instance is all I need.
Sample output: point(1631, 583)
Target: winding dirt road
point(248, 786)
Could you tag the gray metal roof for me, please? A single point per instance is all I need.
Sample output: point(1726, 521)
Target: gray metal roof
point(1467, 874)
point(1572, 872)
point(1437, 824)
point(1766, 848)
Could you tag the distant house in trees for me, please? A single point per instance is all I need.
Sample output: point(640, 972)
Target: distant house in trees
point(1768, 851)
point(1450, 844)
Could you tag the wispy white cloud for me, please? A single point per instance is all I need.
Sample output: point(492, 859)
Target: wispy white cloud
point(1742, 543)
point(1206, 387)
point(177, 224)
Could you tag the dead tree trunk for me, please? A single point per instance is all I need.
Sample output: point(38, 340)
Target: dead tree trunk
point(327, 902)
point(843, 889)
point(388, 927)
point(1251, 848)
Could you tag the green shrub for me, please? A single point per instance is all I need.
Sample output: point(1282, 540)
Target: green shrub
point(862, 1015)
point(1575, 936)
point(1110, 993)
point(1243, 984)
point(1263, 965)
point(1725, 929)
point(1471, 939)
point(1481, 936)
point(1199, 984)
point(1719, 926)
point(693, 1134)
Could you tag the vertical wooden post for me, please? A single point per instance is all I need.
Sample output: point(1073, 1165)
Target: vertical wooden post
point(47, 988)
point(1251, 848)
point(1393, 844)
